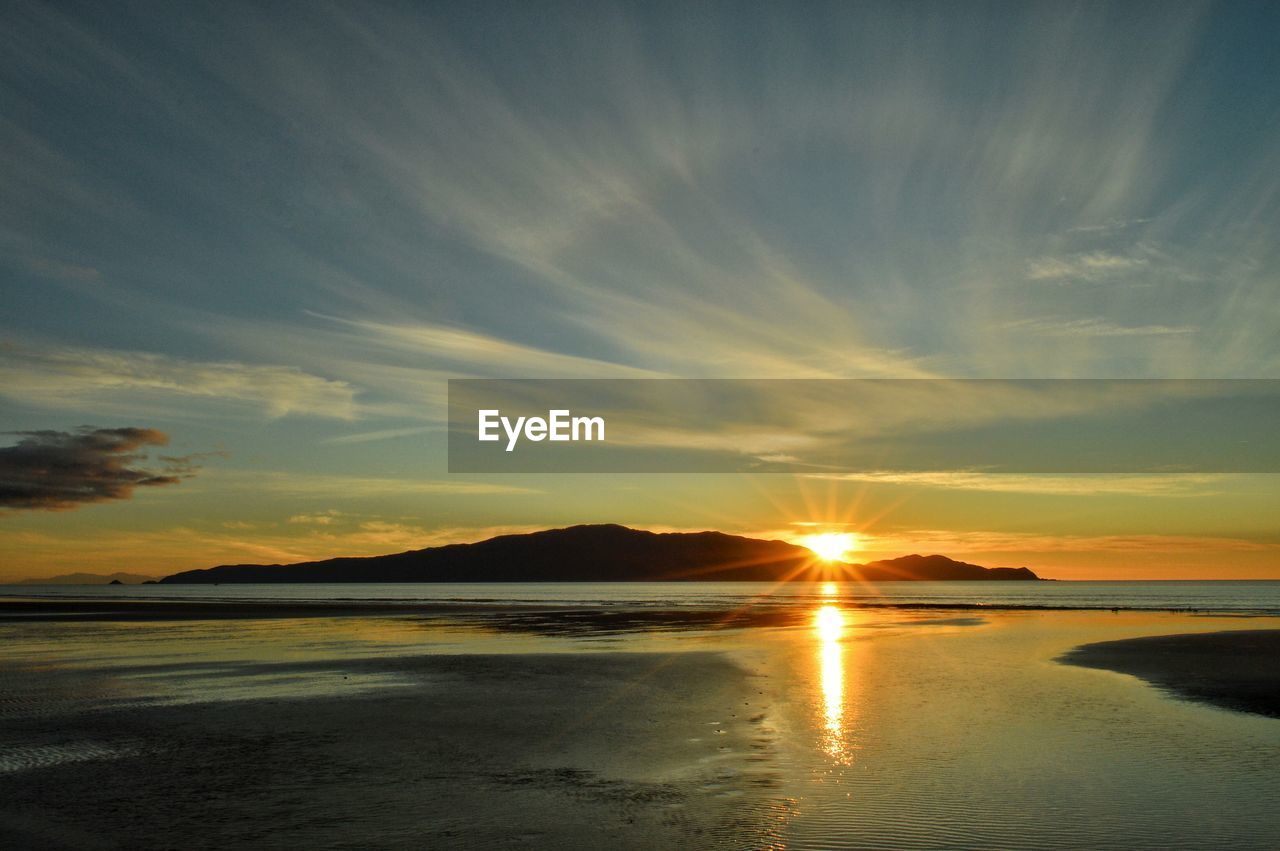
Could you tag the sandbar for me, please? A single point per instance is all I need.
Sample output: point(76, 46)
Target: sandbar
point(1235, 669)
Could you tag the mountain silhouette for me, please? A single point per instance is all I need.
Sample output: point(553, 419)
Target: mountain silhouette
point(600, 553)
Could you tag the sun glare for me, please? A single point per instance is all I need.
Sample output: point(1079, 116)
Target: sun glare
point(829, 622)
point(831, 546)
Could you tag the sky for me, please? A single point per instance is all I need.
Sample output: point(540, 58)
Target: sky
point(244, 246)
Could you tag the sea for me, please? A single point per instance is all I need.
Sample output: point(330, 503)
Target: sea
point(898, 716)
point(1261, 597)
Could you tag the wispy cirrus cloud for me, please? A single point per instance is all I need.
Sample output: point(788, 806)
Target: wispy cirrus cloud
point(380, 434)
point(1089, 266)
point(477, 351)
point(1109, 226)
point(60, 270)
point(322, 518)
point(69, 376)
point(284, 483)
point(1165, 485)
point(1096, 326)
point(668, 240)
point(445, 189)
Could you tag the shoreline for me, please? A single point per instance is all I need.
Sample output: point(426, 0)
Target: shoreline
point(1235, 669)
point(760, 611)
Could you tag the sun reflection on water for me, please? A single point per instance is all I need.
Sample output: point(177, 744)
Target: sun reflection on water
point(829, 625)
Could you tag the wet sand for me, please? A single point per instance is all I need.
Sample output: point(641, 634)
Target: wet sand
point(1238, 669)
point(628, 726)
point(625, 750)
point(517, 616)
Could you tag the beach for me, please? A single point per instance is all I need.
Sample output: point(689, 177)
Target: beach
point(625, 750)
point(278, 724)
point(1239, 669)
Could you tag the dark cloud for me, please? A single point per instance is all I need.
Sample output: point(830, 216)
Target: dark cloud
point(57, 470)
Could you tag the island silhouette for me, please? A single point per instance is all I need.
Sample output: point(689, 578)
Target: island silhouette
point(89, 579)
point(604, 553)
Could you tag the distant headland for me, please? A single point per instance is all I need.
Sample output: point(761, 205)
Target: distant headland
point(604, 553)
point(90, 579)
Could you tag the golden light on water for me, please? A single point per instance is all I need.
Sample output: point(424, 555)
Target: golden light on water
point(829, 624)
point(831, 546)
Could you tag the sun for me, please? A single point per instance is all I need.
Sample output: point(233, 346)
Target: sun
point(831, 546)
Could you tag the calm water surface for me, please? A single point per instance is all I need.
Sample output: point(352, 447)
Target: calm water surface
point(1256, 597)
point(947, 726)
